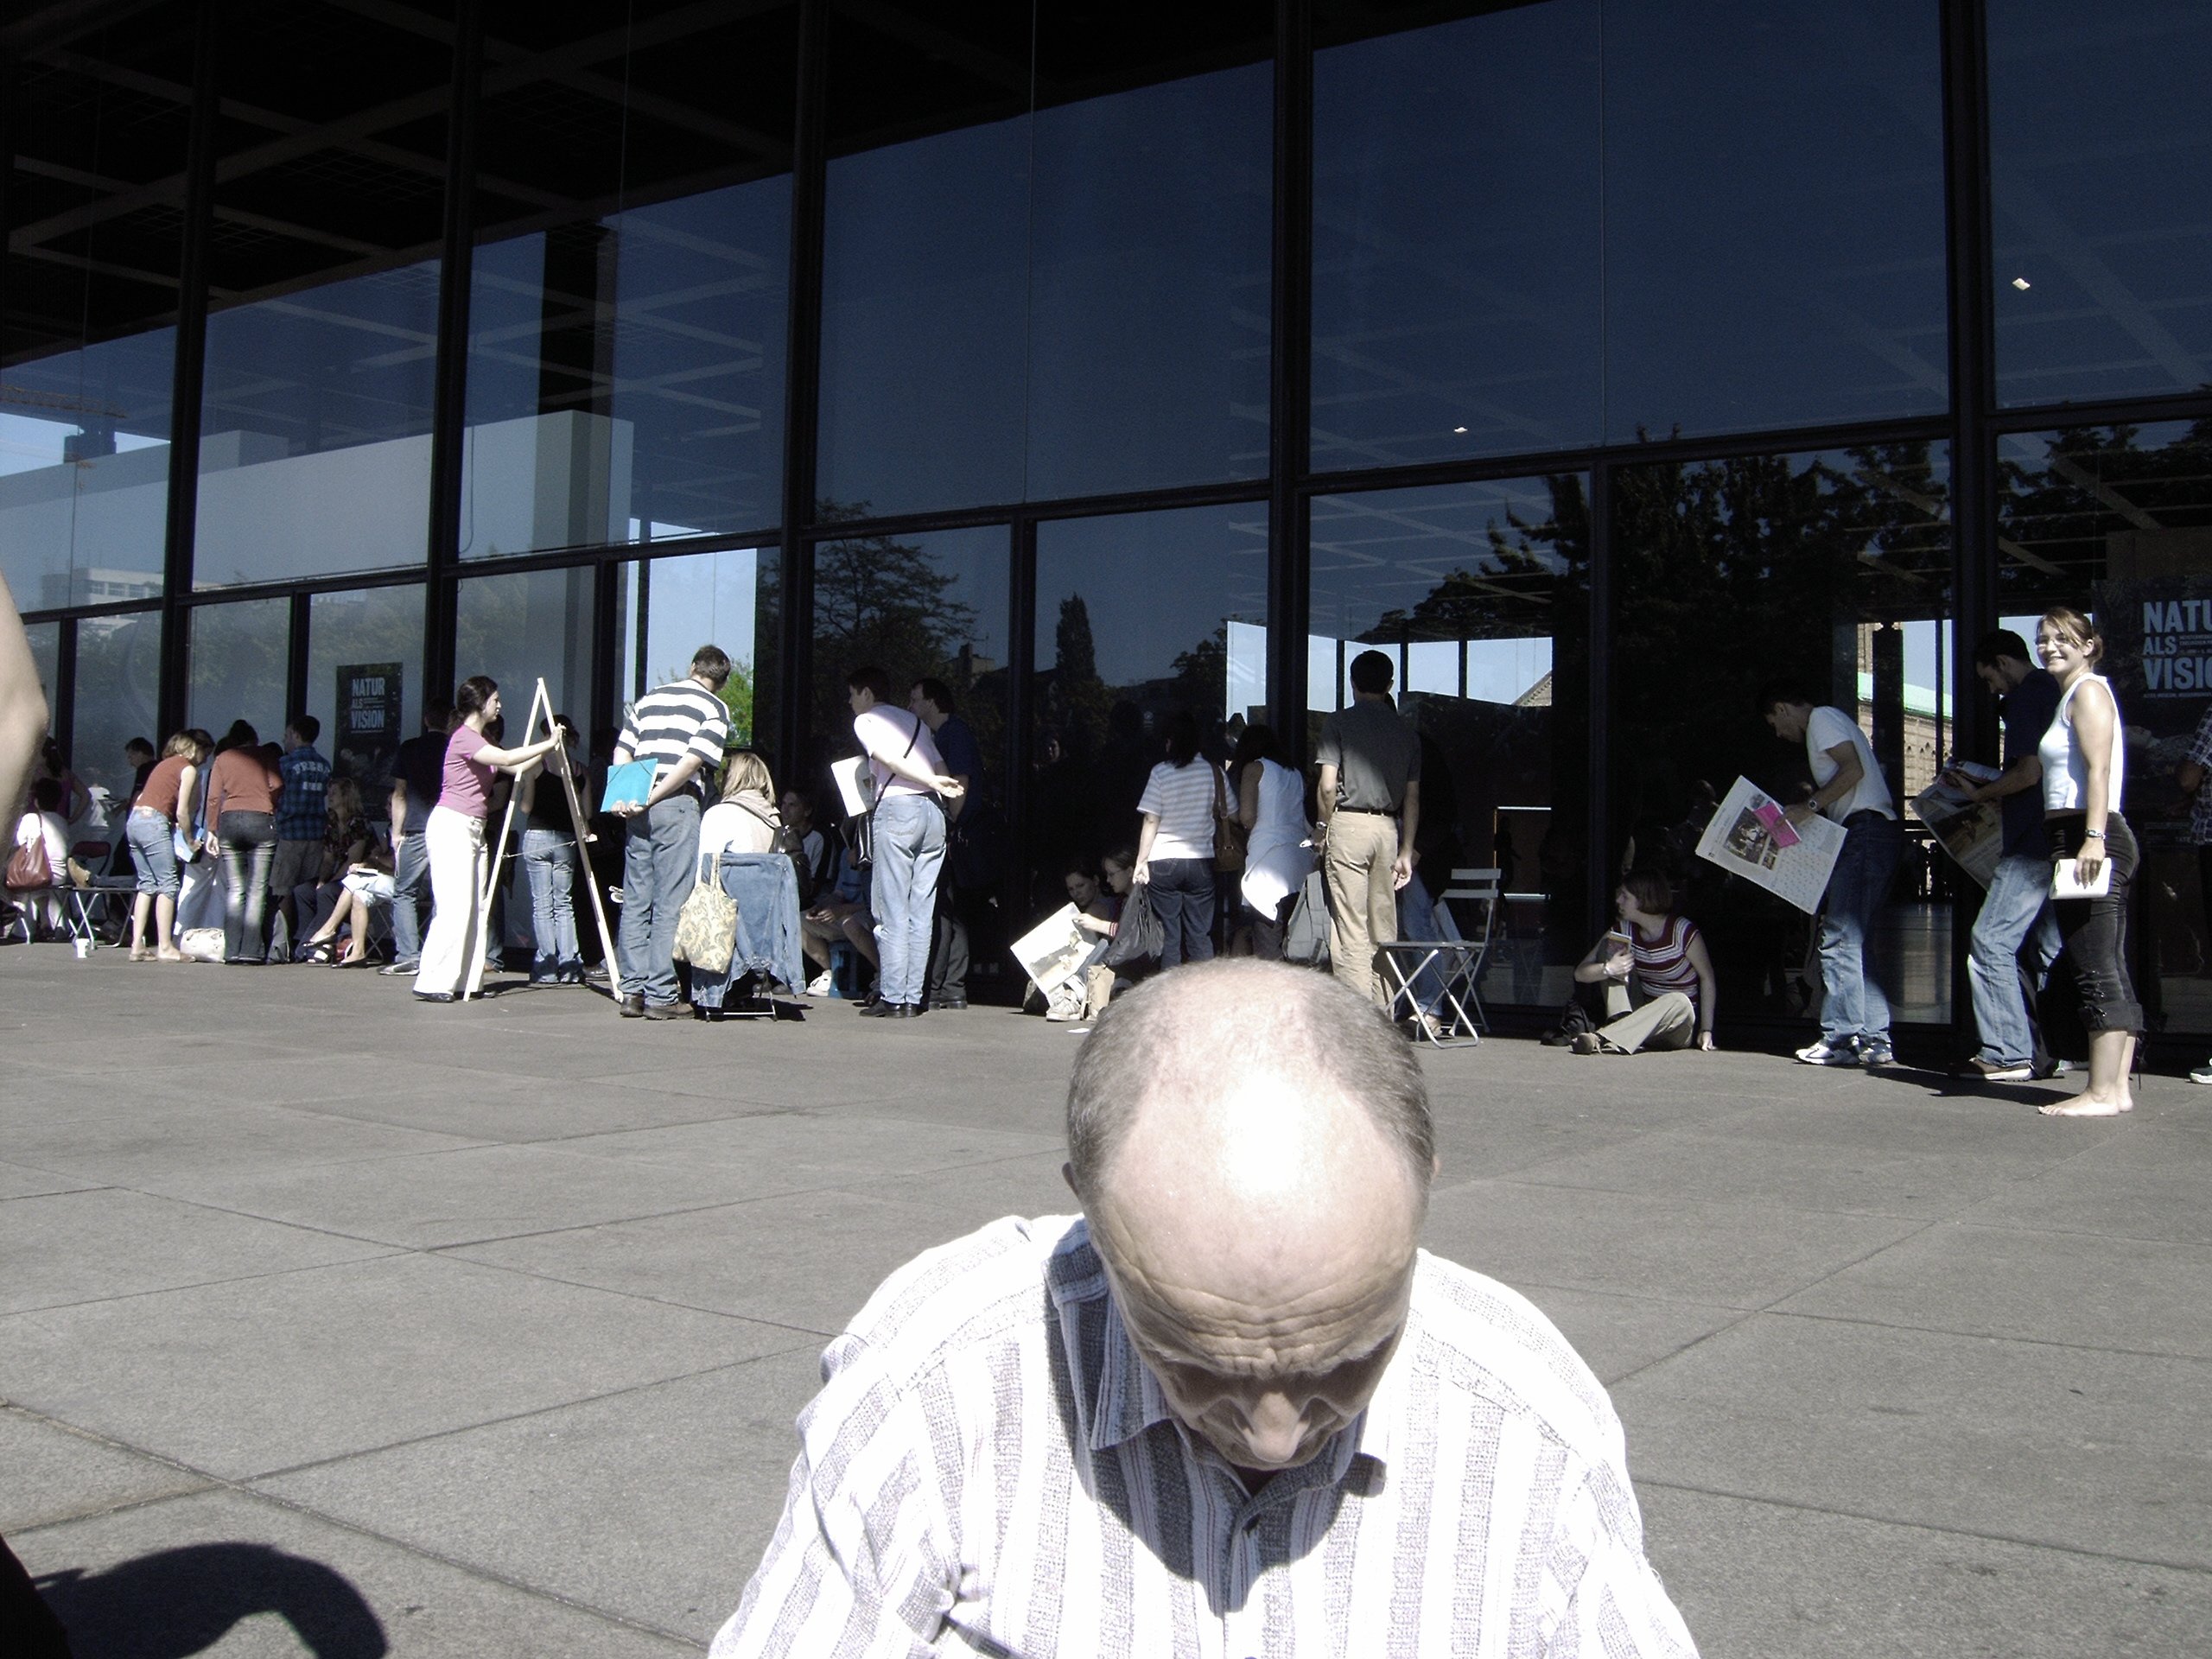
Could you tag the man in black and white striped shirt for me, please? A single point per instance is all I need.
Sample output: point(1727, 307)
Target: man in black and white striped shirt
point(1232, 1410)
point(682, 728)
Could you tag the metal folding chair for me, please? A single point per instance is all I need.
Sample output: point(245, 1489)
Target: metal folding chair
point(1451, 1014)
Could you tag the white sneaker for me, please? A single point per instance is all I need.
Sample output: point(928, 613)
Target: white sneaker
point(2203, 1074)
point(1844, 1052)
point(823, 983)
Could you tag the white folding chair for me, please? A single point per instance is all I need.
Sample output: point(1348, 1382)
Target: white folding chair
point(1454, 959)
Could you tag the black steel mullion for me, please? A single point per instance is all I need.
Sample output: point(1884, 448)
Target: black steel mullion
point(1602, 860)
point(606, 698)
point(62, 717)
point(802, 380)
point(1021, 698)
point(295, 665)
point(188, 373)
point(1291, 376)
point(2111, 411)
point(449, 396)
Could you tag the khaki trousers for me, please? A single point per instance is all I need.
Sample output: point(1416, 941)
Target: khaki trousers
point(1356, 861)
point(1667, 1021)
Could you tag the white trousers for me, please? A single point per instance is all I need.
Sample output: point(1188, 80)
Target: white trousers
point(453, 950)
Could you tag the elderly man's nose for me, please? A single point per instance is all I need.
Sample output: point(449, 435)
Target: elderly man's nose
point(1274, 1425)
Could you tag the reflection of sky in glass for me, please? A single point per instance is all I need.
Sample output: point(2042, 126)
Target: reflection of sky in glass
point(27, 442)
point(1156, 584)
point(699, 599)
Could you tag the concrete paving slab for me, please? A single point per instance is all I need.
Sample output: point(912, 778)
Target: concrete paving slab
point(476, 1193)
point(2125, 1183)
point(55, 1473)
point(1757, 1581)
point(1741, 1254)
point(808, 1260)
point(656, 1504)
point(2141, 1295)
point(968, 1197)
point(2067, 1447)
point(790, 1152)
point(21, 1181)
point(260, 1375)
point(1618, 1336)
point(163, 1144)
point(488, 1107)
point(82, 1246)
point(239, 1577)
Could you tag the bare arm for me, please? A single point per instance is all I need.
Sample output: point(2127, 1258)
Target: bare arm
point(1247, 795)
point(1849, 772)
point(23, 708)
point(397, 806)
point(1708, 989)
point(2190, 776)
point(1325, 797)
point(2024, 773)
point(514, 760)
point(1143, 870)
point(1402, 868)
point(2092, 737)
point(187, 786)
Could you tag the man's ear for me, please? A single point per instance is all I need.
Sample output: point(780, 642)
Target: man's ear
point(1067, 1174)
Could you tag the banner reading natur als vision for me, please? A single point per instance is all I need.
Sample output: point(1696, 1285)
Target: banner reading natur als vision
point(2158, 635)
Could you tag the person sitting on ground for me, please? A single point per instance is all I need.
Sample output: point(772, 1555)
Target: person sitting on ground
point(1232, 1395)
point(817, 856)
point(840, 912)
point(1095, 911)
point(1660, 991)
point(42, 826)
point(168, 799)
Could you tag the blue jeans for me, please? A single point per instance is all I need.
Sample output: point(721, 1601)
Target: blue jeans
point(2016, 911)
point(411, 874)
point(908, 844)
point(1183, 899)
point(549, 860)
point(660, 857)
point(154, 852)
point(249, 845)
point(1855, 1005)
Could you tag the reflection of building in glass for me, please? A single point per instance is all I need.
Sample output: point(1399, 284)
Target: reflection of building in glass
point(975, 366)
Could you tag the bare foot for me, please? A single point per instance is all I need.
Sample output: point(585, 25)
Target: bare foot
point(2086, 1106)
point(171, 955)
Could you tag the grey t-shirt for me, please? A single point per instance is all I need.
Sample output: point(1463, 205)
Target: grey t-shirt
point(1375, 752)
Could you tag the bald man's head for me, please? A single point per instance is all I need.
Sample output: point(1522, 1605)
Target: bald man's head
point(1251, 1143)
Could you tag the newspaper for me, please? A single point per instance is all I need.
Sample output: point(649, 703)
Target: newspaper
point(1749, 835)
point(1972, 832)
point(855, 785)
point(1052, 951)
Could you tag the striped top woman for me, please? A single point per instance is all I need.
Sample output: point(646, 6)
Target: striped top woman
point(1661, 957)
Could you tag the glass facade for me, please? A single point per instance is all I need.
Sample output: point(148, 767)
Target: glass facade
point(1091, 365)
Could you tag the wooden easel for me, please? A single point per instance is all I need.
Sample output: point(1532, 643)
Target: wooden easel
point(540, 701)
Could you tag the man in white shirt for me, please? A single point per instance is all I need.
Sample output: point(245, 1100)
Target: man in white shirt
point(1848, 788)
point(906, 839)
point(1231, 1410)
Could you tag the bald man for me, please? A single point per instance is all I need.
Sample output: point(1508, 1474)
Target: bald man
point(1232, 1410)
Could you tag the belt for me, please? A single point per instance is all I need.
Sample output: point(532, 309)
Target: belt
point(1866, 813)
point(1370, 811)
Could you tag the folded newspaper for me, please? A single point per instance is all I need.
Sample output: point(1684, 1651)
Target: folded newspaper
point(1972, 832)
point(1053, 951)
point(1749, 835)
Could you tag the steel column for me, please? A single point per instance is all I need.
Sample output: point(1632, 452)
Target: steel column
point(802, 384)
point(449, 394)
point(1291, 378)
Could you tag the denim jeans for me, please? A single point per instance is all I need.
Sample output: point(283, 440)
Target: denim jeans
point(908, 843)
point(249, 845)
point(2095, 929)
point(1855, 1005)
point(411, 876)
point(549, 860)
point(2017, 911)
point(154, 852)
point(1182, 897)
point(660, 859)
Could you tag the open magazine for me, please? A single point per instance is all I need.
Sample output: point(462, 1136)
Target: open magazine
point(1750, 835)
point(1972, 832)
point(1054, 949)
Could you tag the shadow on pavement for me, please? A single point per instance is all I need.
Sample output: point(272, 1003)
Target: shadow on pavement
point(177, 1602)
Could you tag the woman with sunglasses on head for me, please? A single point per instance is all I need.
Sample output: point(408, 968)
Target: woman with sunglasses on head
point(2084, 756)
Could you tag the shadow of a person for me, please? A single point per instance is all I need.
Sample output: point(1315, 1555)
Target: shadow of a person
point(178, 1602)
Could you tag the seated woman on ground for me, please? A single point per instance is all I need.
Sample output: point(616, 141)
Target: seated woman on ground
point(841, 913)
point(1657, 975)
point(1095, 911)
point(1102, 983)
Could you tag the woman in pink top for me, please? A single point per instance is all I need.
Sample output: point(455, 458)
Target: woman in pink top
point(452, 951)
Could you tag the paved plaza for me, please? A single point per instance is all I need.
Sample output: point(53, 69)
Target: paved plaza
point(333, 1324)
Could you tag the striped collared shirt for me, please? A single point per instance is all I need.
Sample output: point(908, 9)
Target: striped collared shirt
point(990, 1468)
point(671, 720)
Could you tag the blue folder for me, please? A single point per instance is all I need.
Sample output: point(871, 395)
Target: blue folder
point(632, 781)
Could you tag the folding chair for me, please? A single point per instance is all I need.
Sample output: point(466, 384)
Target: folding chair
point(1453, 961)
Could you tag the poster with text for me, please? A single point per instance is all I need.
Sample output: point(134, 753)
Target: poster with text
point(2157, 633)
point(367, 738)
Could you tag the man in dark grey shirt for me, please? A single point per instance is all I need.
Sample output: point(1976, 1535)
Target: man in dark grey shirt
point(1370, 777)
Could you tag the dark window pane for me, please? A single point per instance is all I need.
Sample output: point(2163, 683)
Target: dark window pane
point(916, 606)
point(626, 377)
point(522, 628)
point(925, 289)
point(240, 655)
point(94, 216)
point(314, 452)
point(1457, 263)
point(2119, 519)
point(2102, 208)
point(1774, 215)
point(1481, 594)
point(118, 687)
point(1833, 569)
point(1139, 616)
point(674, 605)
point(1149, 287)
point(364, 680)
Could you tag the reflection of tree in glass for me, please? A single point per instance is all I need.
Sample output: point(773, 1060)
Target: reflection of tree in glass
point(1508, 595)
point(2055, 513)
point(1201, 682)
point(1076, 701)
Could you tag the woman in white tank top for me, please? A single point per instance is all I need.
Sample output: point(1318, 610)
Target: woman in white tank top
point(2084, 757)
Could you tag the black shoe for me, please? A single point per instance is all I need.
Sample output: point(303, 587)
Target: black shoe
point(633, 1007)
point(433, 996)
point(881, 1010)
point(947, 1004)
point(867, 1004)
point(912, 1010)
point(661, 1011)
